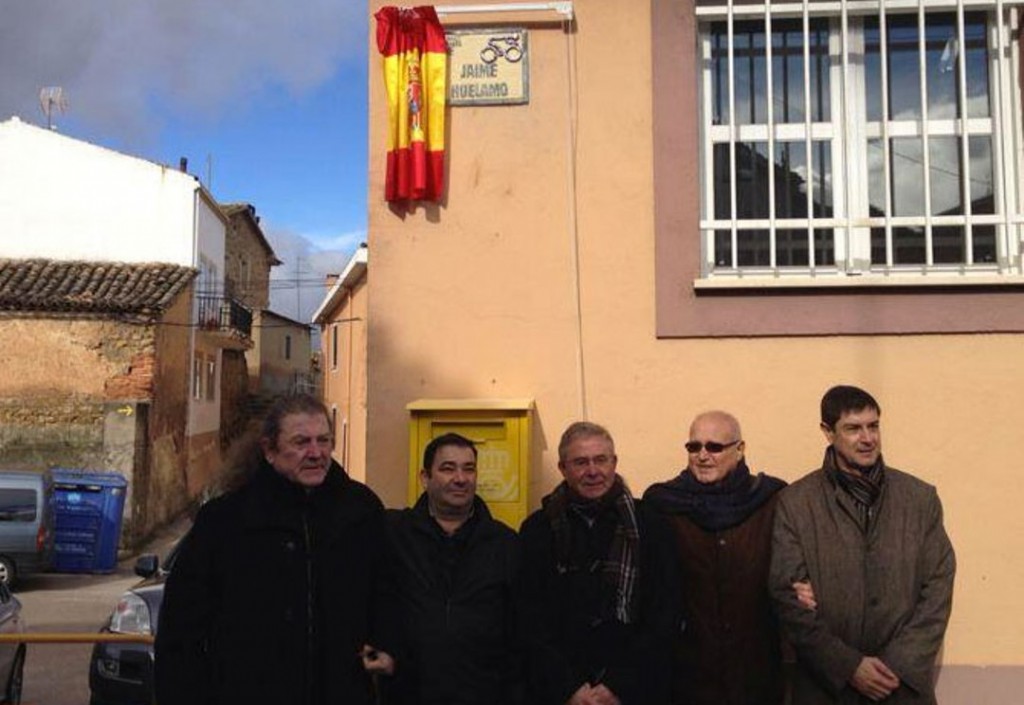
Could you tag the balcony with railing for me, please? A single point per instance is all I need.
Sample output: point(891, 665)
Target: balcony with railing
point(226, 316)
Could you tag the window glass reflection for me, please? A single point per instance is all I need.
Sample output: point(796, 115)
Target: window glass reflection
point(723, 170)
point(788, 71)
point(749, 74)
point(907, 164)
point(948, 244)
point(751, 83)
point(903, 67)
point(942, 66)
point(792, 180)
point(908, 245)
point(752, 179)
point(984, 237)
point(723, 249)
point(907, 177)
point(943, 61)
point(944, 175)
point(753, 248)
point(982, 194)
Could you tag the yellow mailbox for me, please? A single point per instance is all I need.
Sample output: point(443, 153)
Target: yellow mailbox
point(500, 429)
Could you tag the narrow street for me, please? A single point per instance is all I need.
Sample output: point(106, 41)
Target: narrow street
point(58, 674)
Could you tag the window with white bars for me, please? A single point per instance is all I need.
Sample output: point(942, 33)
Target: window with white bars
point(865, 138)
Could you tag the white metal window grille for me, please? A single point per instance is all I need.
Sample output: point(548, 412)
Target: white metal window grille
point(860, 138)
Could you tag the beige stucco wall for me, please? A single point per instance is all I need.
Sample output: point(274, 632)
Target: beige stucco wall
point(345, 382)
point(481, 297)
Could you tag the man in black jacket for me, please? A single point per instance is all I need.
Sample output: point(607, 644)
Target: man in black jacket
point(282, 588)
point(456, 568)
point(598, 587)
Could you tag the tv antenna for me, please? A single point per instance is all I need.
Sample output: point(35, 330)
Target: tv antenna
point(52, 98)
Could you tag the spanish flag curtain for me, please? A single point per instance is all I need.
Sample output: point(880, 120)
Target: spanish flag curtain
point(415, 76)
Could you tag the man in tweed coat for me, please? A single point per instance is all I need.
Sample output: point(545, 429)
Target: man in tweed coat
point(867, 545)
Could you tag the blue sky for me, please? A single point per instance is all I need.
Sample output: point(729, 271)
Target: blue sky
point(266, 99)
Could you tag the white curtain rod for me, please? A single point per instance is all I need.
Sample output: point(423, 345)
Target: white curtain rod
point(562, 8)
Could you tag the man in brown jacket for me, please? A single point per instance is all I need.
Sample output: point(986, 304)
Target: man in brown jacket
point(721, 513)
point(868, 542)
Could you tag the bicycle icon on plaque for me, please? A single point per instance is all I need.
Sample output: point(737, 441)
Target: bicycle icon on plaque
point(488, 66)
point(498, 47)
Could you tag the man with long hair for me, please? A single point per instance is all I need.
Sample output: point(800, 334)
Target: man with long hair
point(282, 590)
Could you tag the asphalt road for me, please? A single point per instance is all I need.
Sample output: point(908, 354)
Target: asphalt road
point(58, 674)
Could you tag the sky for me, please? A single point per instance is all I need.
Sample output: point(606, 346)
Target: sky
point(267, 103)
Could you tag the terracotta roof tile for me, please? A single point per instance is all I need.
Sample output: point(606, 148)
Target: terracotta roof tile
point(90, 287)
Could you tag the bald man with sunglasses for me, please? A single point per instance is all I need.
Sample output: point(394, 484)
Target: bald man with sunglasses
point(729, 652)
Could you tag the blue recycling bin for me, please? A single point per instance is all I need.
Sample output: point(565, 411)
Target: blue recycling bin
point(87, 508)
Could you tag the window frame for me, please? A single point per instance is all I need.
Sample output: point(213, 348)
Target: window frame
point(688, 305)
point(198, 375)
point(851, 223)
point(210, 377)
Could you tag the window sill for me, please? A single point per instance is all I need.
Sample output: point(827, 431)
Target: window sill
point(863, 281)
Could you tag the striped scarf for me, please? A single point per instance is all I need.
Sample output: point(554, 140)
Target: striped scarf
point(864, 487)
point(621, 567)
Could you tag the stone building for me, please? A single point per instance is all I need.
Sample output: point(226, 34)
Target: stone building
point(96, 376)
point(248, 259)
point(65, 199)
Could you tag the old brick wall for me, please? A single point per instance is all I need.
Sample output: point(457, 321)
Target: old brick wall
point(161, 492)
point(101, 395)
point(53, 387)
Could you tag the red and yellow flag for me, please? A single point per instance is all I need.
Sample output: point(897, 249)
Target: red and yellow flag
point(415, 76)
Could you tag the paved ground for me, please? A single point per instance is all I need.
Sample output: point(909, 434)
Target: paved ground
point(58, 674)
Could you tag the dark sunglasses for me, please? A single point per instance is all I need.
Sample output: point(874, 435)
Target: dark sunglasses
point(711, 446)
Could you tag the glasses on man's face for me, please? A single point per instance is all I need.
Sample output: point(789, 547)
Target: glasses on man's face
point(598, 461)
point(710, 446)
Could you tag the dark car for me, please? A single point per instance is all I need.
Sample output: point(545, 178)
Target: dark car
point(12, 655)
point(122, 673)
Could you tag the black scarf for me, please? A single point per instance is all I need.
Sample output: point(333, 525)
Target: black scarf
point(864, 486)
point(714, 506)
point(622, 566)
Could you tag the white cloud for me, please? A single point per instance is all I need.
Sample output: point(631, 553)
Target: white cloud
point(298, 285)
point(121, 60)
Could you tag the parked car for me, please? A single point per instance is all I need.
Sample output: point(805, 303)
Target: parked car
point(26, 524)
point(122, 673)
point(12, 655)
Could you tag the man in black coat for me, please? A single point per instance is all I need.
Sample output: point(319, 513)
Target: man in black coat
point(281, 592)
point(457, 565)
point(597, 585)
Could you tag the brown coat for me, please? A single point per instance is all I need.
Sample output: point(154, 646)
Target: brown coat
point(728, 653)
point(887, 594)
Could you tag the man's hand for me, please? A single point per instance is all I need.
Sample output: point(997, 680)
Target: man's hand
point(581, 696)
point(604, 696)
point(874, 679)
point(805, 594)
point(598, 694)
point(377, 662)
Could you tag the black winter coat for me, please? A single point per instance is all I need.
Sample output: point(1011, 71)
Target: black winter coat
point(457, 592)
point(569, 641)
point(273, 594)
